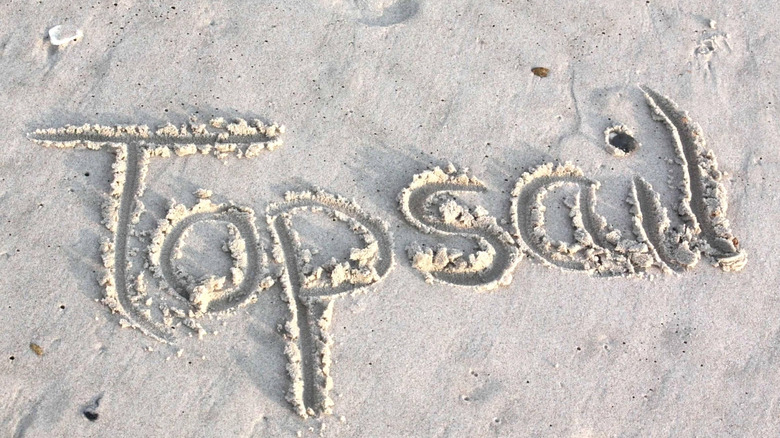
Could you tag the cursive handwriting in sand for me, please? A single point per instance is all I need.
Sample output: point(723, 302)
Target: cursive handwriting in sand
point(430, 203)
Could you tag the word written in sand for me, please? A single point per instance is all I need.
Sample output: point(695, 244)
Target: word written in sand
point(155, 290)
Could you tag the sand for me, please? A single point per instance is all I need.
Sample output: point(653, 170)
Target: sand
point(389, 218)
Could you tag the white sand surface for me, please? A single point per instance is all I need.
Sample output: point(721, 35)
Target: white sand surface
point(272, 306)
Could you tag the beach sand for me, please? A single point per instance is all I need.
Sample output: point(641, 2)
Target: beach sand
point(300, 287)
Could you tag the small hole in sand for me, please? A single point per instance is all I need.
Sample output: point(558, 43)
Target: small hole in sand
point(91, 416)
point(623, 141)
point(620, 141)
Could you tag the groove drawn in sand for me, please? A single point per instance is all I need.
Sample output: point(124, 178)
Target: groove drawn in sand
point(310, 290)
point(600, 248)
point(431, 204)
point(210, 294)
point(427, 203)
point(133, 146)
point(704, 204)
point(656, 229)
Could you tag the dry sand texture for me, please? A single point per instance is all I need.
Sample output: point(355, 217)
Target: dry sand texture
point(429, 204)
point(309, 290)
point(133, 147)
point(585, 203)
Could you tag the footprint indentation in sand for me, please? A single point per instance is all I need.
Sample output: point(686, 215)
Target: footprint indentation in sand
point(386, 13)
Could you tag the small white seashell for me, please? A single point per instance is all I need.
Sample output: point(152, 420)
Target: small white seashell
point(64, 33)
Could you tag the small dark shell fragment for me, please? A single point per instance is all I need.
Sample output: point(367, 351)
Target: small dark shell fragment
point(540, 71)
point(37, 349)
